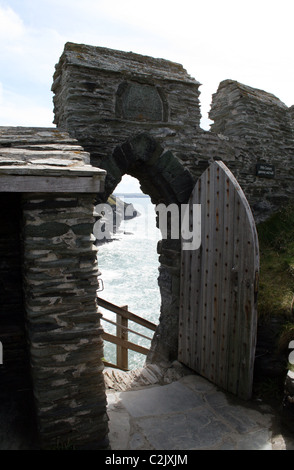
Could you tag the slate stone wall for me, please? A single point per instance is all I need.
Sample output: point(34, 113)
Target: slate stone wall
point(259, 128)
point(64, 332)
point(104, 97)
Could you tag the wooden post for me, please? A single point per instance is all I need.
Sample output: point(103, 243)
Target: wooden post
point(122, 351)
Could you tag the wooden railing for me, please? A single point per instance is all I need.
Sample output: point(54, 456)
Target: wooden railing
point(123, 315)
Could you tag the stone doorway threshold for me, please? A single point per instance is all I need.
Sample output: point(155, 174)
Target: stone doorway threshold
point(150, 374)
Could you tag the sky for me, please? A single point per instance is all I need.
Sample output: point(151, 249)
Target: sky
point(250, 41)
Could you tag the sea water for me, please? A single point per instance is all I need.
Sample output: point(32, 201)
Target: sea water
point(129, 271)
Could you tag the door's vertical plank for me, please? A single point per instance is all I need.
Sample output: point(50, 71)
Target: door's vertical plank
point(233, 331)
point(214, 278)
point(195, 293)
point(184, 313)
point(223, 251)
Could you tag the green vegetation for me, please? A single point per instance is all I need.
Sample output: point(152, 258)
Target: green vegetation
point(276, 288)
point(276, 293)
point(276, 240)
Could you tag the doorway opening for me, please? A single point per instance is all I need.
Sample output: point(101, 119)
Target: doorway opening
point(163, 177)
point(129, 267)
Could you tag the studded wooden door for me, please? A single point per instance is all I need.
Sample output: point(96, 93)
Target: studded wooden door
point(219, 282)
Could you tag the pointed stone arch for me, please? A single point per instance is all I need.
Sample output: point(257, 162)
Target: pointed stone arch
point(165, 180)
point(160, 173)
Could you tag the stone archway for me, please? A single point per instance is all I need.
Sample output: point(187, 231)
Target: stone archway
point(165, 180)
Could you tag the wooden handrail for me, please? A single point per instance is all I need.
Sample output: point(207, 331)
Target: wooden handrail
point(121, 342)
point(125, 328)
point(126, 314)
point(121, 338)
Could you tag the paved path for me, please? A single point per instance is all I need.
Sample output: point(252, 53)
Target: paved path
point(190, 414)
point(165, 409)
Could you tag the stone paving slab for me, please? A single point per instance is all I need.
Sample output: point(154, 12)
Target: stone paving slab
point(160, 400)
point(189, 414)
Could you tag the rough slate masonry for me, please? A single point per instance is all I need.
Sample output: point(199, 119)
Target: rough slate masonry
point(104, 97)
point(260, 129)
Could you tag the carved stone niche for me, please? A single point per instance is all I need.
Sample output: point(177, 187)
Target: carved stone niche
point(140, 102)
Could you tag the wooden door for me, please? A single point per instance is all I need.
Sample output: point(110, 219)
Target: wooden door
point(219, 282)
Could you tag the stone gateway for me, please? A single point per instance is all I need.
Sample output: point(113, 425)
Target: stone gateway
point(116, 113)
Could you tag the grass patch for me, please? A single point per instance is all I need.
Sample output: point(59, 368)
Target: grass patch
point(276, 242)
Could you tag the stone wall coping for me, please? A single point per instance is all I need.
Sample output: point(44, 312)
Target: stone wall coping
point(49, 168)
point(128, 63)
point(251, 93)
point(45, 160)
